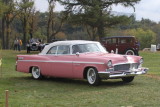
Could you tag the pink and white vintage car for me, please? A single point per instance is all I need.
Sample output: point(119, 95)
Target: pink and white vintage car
point(82, 60)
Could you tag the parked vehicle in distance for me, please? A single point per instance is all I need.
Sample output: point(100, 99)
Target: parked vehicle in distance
point(158, 47)
point(123, 44)
point(80, 59)
point(34, 45)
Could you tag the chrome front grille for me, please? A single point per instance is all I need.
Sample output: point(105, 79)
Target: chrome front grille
point(124, 67)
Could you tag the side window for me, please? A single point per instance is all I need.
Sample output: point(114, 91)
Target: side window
point(63, 50)
point(123, 41)
point(114, 40)
point(52, 50)
point(108, 41)
point(111, 41)
point(129, 40)
point(75, 49)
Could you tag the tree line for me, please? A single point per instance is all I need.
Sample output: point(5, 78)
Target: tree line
point(81, 19)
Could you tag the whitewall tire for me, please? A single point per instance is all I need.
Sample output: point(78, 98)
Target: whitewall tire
point(93, 77)
point(36, 73)
point(130, 52)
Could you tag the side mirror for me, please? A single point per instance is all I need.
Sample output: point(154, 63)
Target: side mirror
point(77, 53)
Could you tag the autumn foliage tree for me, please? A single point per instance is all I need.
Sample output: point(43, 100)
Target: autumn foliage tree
point(8, 15)
point(2, 10)
point(145, 37)
point(25, 8)
point(54, 22)
point(33, 21)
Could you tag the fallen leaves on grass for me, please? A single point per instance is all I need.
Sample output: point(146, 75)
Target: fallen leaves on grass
point(153, 76)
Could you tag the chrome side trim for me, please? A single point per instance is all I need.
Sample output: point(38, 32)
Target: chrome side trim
point(74, 62)
point(88, 62)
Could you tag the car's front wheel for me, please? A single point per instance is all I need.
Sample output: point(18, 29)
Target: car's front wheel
point(36, 73)
point(93, 77)
point(128, 79)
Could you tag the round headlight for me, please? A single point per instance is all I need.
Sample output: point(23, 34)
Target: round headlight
point(141, 61)
point(109, 64)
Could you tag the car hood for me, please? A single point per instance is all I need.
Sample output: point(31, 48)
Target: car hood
point(115, 58)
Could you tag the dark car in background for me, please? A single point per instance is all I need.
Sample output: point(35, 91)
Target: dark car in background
point(34, 45)
point(121, 44)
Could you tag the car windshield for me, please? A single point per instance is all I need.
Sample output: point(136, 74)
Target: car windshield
point(87, 48)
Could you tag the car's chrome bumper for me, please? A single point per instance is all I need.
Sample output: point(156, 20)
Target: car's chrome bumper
point(119, 74)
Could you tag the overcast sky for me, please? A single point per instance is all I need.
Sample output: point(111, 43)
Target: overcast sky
point(148, 9)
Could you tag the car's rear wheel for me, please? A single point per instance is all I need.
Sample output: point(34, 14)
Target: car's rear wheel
point(93, 77)
point(36, 73)
point(130, 52)
point(128, 79)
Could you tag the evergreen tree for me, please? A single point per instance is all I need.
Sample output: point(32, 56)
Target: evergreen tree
point(96, 13)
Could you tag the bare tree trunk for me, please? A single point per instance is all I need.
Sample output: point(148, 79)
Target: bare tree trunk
point(48, 30)
point(50, 19)
point(7, 35)
point(101, 30)
point(52, 32)
point(24, 32)
point(101, 26)
point(3, 33)
point(92, 32)
point(31, 28)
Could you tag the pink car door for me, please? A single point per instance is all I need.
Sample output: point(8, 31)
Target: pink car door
point(49, 65)
point(62, 62)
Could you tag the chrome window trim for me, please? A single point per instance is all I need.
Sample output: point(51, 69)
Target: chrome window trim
point(57, 47)
point(50, 49)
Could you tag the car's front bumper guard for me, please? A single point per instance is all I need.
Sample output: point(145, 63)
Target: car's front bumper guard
point(119, 74)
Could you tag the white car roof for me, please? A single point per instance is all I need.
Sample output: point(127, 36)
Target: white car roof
point(68, 42)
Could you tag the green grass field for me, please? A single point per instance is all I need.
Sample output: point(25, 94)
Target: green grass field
point(24, 91)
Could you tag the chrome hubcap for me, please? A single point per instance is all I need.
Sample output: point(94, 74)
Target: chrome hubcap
point(91, 75)
point(36, 72)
